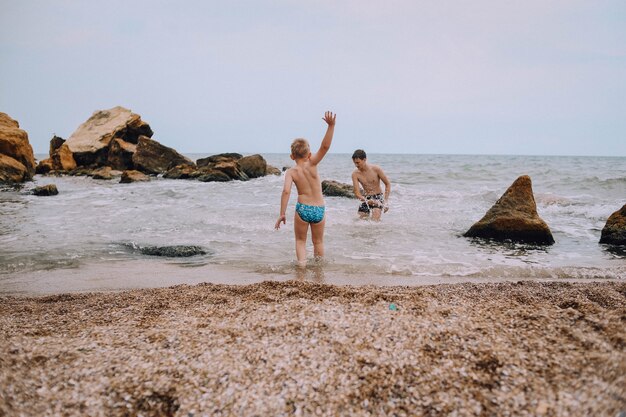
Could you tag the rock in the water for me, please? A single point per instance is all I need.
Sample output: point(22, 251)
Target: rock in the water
point(46, 190)
point(214, 159)
point(105, 173)
point(614, 231)
point(133, 176)
point(178, 251)
point(55, 143)
point(212, 175)
point(14, 145)
point(182, 172)
point(120, 154)
point(153, 158)
point(253, 166)
point(336, 189)
point(90, 142)
point(270, 170)
point(514, 217)
point(63, 159)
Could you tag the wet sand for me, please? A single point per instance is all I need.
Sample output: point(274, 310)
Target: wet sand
point(301, 348)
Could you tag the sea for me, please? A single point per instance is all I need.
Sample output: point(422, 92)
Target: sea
point(90, 236)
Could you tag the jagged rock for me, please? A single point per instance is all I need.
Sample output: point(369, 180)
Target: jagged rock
point(253, 166)
point(62, 159)
point(214, 159)
point(44, 166)
point(14, 145)
point(133, 176)
point(55, 143)
point(614, 231)
point(120, 154)
point(46, 190)
point(153, 158)
point(332, 188)
point(514, 217)
point(181, 172)
point(212, 175)
point(90, 142)
point(231, 169)
point(270, 170)
point(105, 173)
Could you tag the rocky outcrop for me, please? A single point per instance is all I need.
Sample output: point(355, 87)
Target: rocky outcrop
point(182, 172)
point(46, 190)
point(133, 176)
point(120, 154)
point(212, 175)
point(332, 188)
point(614, 231)
point(90, 142)
point(105, 173)
point(270, 170)
point(214, 159)
point(514, 217)
point(17, 161)
point(153, 158)
point(254, 166)
point(61, 158)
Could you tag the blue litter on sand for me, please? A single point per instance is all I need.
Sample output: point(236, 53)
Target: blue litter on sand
point(393, 307)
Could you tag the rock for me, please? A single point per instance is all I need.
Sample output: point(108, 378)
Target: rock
point(62, 159)
point(46, 190)
point(614, 231)
point(212, 175)
point(90, 142)
point(176, 251)
point(133, 176)
point(153, 158)
point(270, 170)
point(232, 170)
point(336, 189)
point(514, 217)
point(181, 172)
point(105, 173)
point(120, 154)
point(12, 171)
point(253, 166)
point(44, 166)
point(214, 159)
point(55, 143)
point(14, 145)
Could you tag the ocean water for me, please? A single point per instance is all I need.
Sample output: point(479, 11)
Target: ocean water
point(87, 237)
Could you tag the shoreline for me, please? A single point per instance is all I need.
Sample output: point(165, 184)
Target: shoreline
point(292, 347)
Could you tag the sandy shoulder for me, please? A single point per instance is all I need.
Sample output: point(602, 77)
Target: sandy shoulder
point(285, 348)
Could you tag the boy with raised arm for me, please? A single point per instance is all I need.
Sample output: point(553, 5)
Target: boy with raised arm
point(369, 176)
point(310, 207)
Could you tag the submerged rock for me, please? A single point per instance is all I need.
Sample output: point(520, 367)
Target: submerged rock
point(614, 231)
point(17, 160)
point(332, 188)
point(46, 190)
point(175, 251)
point(133, 176)
point(514, 217)
point(254, 166)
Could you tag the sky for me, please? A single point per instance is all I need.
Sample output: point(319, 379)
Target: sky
point(530, 77)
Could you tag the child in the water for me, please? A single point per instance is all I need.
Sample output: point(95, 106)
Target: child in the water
point(310, 206)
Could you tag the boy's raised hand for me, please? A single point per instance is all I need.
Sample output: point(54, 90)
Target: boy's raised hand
point(329, 118)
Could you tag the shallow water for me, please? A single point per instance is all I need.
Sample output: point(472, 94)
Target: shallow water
point(74, 240)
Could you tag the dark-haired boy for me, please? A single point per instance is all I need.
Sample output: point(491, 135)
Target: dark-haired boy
point(369, 176)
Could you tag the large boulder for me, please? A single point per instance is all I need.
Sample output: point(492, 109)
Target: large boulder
point(153, 158)
point(212, 175)
point(182, 172)
point(45, 190)
point(253, 166)
point(121, 154)
point(14, 145)
point(614, 231)
point(332, 188)
point(90, 142)
point(214, 159)
point(514, 217)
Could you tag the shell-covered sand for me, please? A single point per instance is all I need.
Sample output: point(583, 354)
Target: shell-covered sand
point(299, 348)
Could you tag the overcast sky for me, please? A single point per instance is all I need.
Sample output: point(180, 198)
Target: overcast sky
point(459, 77)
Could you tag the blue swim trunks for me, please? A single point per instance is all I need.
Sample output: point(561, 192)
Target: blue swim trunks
point(310, 214)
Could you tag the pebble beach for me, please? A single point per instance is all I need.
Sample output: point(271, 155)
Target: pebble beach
point(300, 348)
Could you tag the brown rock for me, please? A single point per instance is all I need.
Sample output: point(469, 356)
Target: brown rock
point(62, 159)
point(44, 166)
point(55, 143)
point(104, 173)
point(332, 188)
point(133, 176)
point(46, 190)
point(253, 166)
point(212, 175)
point(270, 170)
point(614, 231)
point(514, 217)
point(231, 169)
point(90, 142)
point(14, 144)
point(153, 158)
point(12, 170)
point(214, 159)
point(181, 172)
point(120, 154)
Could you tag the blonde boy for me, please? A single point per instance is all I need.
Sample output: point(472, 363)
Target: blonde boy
point(310, 209)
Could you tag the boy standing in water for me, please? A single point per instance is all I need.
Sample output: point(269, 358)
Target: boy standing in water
point(369, 177)
point(310, 206)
